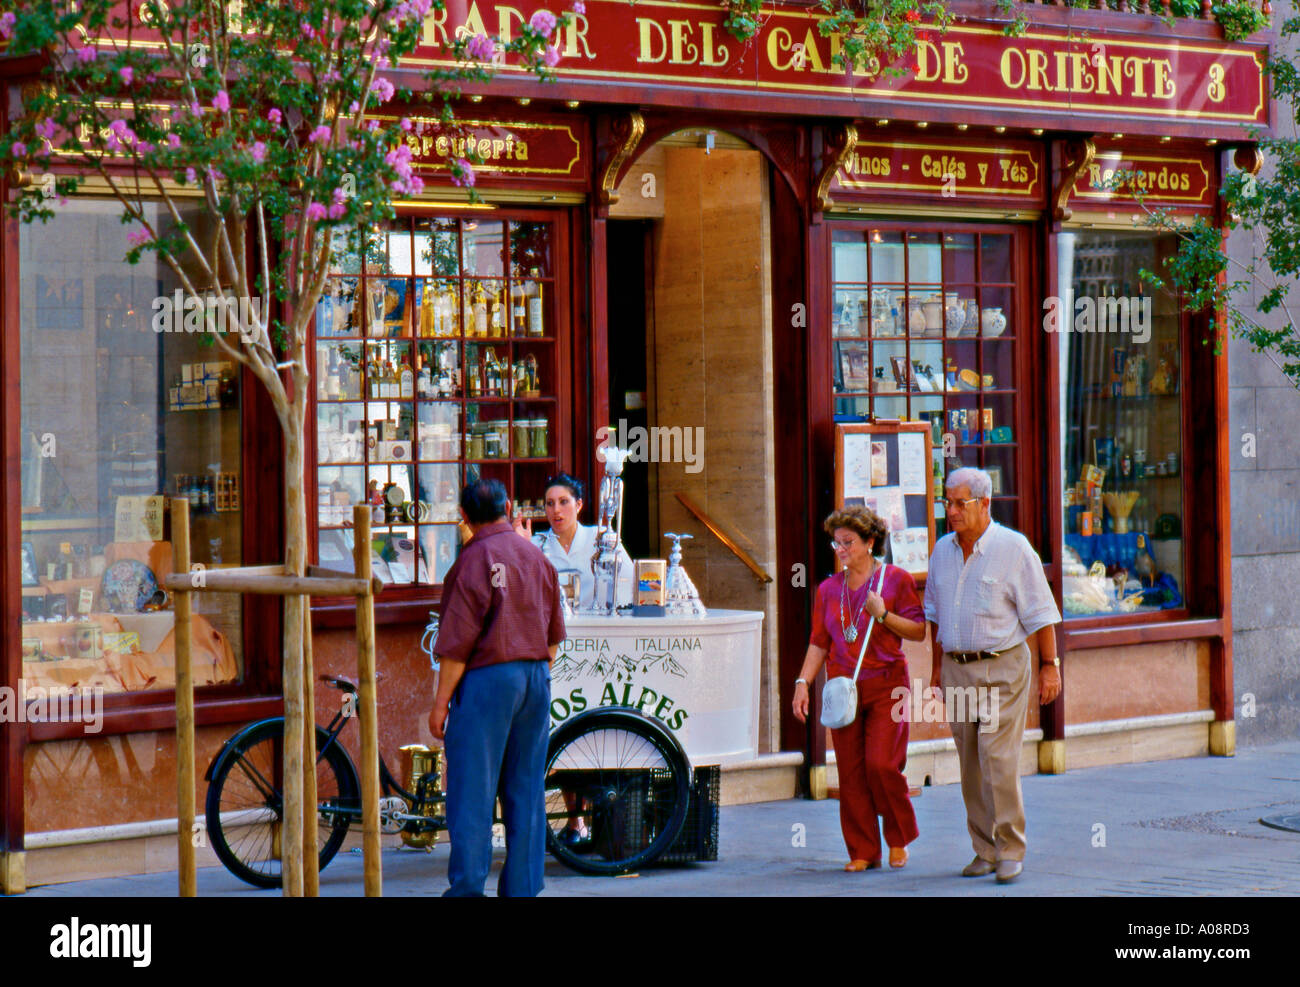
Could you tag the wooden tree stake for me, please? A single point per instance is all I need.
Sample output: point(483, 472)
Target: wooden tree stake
point(368, 710)
point(310, 826)
point(184, 704)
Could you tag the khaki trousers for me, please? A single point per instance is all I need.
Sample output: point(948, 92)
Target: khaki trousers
point(990, 759)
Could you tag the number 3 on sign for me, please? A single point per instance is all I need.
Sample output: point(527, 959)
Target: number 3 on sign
point(1216, 90)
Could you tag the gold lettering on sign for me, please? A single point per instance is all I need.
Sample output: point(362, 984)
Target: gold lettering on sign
point(506, 16)
point(1216, 90)
point(713, 57)
point(648, 26)
point(953, 70)
point(778, 41)
point(683, 52)
point(575, 35)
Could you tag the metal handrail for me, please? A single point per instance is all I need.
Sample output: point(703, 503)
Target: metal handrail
point(759, 572)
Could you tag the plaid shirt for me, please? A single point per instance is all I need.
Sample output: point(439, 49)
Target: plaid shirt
point(991, 601)
point(500, 602)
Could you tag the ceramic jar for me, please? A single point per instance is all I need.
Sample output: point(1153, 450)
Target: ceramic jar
point(992, 322)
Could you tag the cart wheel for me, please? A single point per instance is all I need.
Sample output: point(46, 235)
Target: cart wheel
point(624, 779)
point(245, 804)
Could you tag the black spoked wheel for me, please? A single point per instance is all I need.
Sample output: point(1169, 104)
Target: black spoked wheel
point(245, 806)
point(617, 791)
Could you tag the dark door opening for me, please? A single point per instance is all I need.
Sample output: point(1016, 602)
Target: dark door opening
point(628, 267)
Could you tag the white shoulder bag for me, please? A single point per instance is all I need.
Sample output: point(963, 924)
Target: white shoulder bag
point(840, 697)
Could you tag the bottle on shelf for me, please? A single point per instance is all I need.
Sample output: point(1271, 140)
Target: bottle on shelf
point(67, 562)
point(496, 319)
point(536, 317)
point(480, 311)
point(427, 311)
point(518, 310)
point(406, 381)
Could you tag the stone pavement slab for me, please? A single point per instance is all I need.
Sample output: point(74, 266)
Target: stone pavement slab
point(1168, 828)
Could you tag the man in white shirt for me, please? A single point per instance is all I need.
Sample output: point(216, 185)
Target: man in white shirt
point(985, 595)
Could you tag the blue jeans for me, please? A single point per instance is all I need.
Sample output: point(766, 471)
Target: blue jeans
point(498, 726)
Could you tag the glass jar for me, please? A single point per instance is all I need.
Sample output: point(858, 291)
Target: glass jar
point(502, 429)
point(477, 445)
point(538, 445)
point(492, 444)
point(522, 438)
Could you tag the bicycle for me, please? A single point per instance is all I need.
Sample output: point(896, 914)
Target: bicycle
point(616, 772)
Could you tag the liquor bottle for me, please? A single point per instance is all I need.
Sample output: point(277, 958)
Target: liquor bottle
point(406, 381)
point(536, 325)
point(66, 561)
point(518, 310)
point(427, 315)
point(496, 321)
point(372, 380)
point(480, 311)
point(491, 375)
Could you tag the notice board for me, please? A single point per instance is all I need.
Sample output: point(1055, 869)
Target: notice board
point(887, 466)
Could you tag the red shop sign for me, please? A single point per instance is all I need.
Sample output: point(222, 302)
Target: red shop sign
point(1117, 177)
point(1009, 173)
point(505, 148)
point(659, 46)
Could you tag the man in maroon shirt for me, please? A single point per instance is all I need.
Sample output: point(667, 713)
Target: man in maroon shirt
point(501, 623)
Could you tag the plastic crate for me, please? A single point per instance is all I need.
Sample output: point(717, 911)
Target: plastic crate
point(699, 836)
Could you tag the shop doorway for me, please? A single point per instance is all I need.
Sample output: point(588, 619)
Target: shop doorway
point(691, 369)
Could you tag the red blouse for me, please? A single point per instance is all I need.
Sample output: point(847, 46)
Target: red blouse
point(899, 594)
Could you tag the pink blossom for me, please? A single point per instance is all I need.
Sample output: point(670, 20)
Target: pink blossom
point(383, 89)
point(173, 141)
point(190, 177)
point(320, 135)
point(405, 124)
point(7, 20)
point(337, 197)
point(258, 151)
point(138, 238)
point(86, 54)
point(144, 147)
point(221, 102)
point(127, 73)
point(354, 106)
point(196, 109)
point(45, 128)
point(543, 22)
point(552, 56)
point(481, 48)
point(462, 173)
point(307, 30)
point(19, 149)
point(315, 211)
point(578, 7)
point(274, 116)
point(337, 210)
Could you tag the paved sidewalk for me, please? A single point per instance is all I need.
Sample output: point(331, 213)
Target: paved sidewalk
point(1186, 827)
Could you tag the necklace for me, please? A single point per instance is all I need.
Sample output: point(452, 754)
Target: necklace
point(851, 630)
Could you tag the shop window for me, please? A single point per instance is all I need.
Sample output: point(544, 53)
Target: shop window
point(121, 408)
point(1123, 448)
point(436, 362)
point(924, 329)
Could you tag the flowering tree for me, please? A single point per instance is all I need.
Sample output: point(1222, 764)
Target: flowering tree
point(277, 115)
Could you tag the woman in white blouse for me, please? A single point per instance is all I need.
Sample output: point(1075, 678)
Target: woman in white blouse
point(570, 545)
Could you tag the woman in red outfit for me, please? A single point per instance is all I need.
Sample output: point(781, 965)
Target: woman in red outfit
point(871, 751)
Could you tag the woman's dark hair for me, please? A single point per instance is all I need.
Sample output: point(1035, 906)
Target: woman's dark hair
point(862, 521)
point(570, 483)
point(484, 501)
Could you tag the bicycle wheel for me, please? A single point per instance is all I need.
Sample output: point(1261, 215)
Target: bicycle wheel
point(626, 780)
point(245, 807)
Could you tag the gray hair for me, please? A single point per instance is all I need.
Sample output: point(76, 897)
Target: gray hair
point(979, 482)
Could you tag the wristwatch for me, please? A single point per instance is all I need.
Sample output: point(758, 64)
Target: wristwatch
point(1055, 662)
point(800, 681)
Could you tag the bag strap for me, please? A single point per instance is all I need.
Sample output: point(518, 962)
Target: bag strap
point(880, 581)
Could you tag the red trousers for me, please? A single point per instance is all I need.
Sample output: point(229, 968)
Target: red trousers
point(870, 754)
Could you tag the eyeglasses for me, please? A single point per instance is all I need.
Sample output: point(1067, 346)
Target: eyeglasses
point(958, 505)
point(841, 546)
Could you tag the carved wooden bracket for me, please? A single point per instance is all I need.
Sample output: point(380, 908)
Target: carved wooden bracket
point(1076, 155)
point(628, 131)
point(840, 143)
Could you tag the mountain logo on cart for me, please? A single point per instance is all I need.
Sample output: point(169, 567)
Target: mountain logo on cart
point(664, 662)
point(565, 668)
